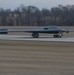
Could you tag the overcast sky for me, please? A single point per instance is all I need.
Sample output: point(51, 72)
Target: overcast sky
point(13, 4)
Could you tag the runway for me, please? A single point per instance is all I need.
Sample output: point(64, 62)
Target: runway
point(36, 58)
point(41, 38)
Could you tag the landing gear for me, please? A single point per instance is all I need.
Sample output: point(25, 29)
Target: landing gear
point(57, 35)
point(35, 35)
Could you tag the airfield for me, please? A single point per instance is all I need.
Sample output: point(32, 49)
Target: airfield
point(20, 54)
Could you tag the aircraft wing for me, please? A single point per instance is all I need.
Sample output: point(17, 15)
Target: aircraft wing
point(67, 30)
point(30, 31)
point(3, 31)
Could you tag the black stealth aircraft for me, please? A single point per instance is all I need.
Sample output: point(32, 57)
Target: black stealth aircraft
point(56, 31)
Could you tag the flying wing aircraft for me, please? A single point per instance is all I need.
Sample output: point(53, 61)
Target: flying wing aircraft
point(56, 31)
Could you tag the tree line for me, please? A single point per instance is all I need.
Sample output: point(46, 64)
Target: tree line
point(33, 16)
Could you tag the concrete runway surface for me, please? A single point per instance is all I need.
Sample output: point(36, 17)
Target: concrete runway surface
point(41, 38)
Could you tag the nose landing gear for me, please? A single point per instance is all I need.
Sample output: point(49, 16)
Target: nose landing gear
point(57, 35)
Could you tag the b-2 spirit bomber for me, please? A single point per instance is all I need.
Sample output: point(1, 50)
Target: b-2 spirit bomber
point(56, 31)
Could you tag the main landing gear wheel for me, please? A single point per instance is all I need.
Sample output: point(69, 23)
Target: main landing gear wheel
point(35, 35)
point(57, 35)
